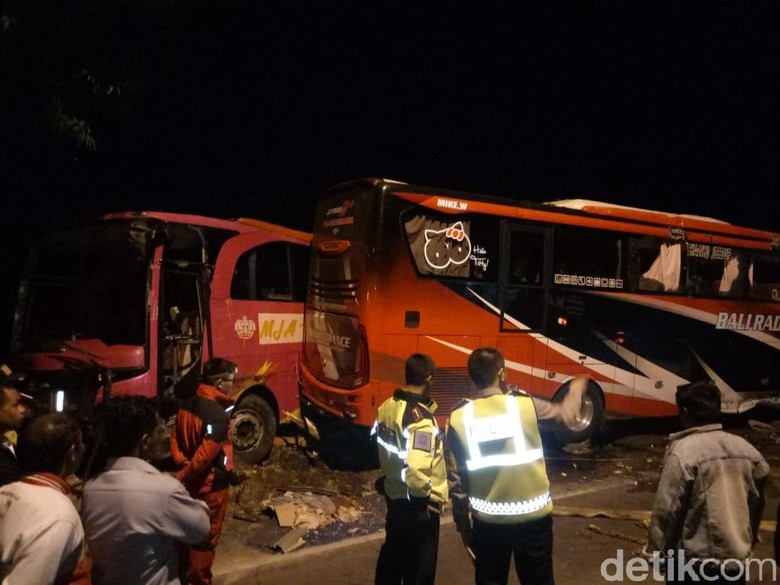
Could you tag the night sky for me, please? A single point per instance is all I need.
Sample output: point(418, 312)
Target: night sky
point(253, 108)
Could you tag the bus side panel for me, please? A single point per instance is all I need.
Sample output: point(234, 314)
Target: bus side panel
point(263, 337)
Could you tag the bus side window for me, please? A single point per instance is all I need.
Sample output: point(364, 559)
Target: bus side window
point(764, 276)
point(735, 280)
point(664, 273)
point(588, 258)
point(263, 273)
point(526, 259)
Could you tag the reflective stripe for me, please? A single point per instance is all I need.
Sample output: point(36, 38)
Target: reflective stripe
point(510, 508)
point(492, 428)
point(390, 448)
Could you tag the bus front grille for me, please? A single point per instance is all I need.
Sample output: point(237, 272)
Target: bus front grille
point(333, 289)
point(450, 386)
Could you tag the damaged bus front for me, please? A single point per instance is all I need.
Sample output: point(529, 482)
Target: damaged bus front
point(147, 298)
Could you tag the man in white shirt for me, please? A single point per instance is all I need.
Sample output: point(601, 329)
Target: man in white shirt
point(41, 538)
point(133, 515)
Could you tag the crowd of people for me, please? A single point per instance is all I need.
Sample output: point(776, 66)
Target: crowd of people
point(707, 508)
point(138, 525)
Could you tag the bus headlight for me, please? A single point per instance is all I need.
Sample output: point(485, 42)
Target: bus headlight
point(59, 401)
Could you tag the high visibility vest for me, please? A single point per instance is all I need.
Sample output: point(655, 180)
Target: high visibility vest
point(507, 477)
point(411, 449)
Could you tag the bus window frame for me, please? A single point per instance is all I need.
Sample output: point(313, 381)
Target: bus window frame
point(508, 228)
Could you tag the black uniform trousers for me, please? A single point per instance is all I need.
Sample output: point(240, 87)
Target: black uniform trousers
point(530, 542)
point(411, 546)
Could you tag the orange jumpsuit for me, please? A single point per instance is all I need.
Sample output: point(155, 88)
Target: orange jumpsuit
point(201, 445)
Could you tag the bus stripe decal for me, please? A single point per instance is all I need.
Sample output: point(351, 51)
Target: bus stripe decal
point(643, 385)
point(689, 312)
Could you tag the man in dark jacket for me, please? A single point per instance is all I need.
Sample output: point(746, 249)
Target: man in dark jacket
point(202, 447)
point(12, 412)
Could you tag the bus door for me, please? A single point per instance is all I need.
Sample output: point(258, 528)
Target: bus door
point(523, 311)
point(182, 311)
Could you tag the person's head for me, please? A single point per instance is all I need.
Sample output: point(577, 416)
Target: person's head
point(12, 402)
point(132, 427)
point(219, 372)
point(486, 367)
point(698, 403)
point(419, 371)
point(51, 443)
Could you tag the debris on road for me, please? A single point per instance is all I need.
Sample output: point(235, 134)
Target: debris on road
point(310, 511)
point(290, 541)
point(614, 513)
point(757, 425)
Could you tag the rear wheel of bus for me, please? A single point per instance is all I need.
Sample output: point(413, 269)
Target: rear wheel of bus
point(253, 428)
point(591, 419)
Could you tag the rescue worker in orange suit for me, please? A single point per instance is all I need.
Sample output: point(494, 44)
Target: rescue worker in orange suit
point(411, 454)
point(498, 481)
point(203, 450)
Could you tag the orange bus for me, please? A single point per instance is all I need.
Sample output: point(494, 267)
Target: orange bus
point(640, 301)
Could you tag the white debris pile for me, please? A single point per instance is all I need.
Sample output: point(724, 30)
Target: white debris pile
point(310, 511)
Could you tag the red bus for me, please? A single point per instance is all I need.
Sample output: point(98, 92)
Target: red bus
point(150, 297)
point(639, 301)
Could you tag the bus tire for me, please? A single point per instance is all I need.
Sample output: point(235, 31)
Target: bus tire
point(253, 427)
point(592, 415)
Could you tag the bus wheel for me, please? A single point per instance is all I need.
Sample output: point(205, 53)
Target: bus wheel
point(591, 415)
point(253, 427)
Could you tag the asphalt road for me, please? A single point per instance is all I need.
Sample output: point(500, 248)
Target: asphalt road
point(617, 479)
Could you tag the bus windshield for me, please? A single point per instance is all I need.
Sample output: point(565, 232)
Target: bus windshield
point(334, 344)
point(87, 283)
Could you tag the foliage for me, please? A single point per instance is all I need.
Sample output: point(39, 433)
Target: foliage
point(71, 70)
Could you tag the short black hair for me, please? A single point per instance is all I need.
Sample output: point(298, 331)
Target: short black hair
point(700, 401)
point(10, 380)
point(484, 365)
point(126, 420)
point(45, 442)
point(419, 367)
point(218, 368)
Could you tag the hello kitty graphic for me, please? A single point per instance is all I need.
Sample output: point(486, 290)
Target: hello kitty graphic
point(448, 246)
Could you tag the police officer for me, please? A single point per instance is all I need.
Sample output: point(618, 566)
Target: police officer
point(415, 483)
point(497, 474)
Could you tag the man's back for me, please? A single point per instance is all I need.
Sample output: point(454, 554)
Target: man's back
point(38, 521)
point(723, 475)
point(133, 515)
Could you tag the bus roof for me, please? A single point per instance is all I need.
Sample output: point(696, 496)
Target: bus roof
point(581, 212)
point(241, 225)
point(600, 207)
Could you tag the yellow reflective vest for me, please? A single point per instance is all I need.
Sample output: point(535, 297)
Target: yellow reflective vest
point(496, 461)
point(411, 448)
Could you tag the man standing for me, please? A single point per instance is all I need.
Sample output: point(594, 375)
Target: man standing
point(133, 514)
point(415, 484)
point(201, 445)
point(12, 411)
point(41, 538)
point(710, 495)
point(497, 474)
